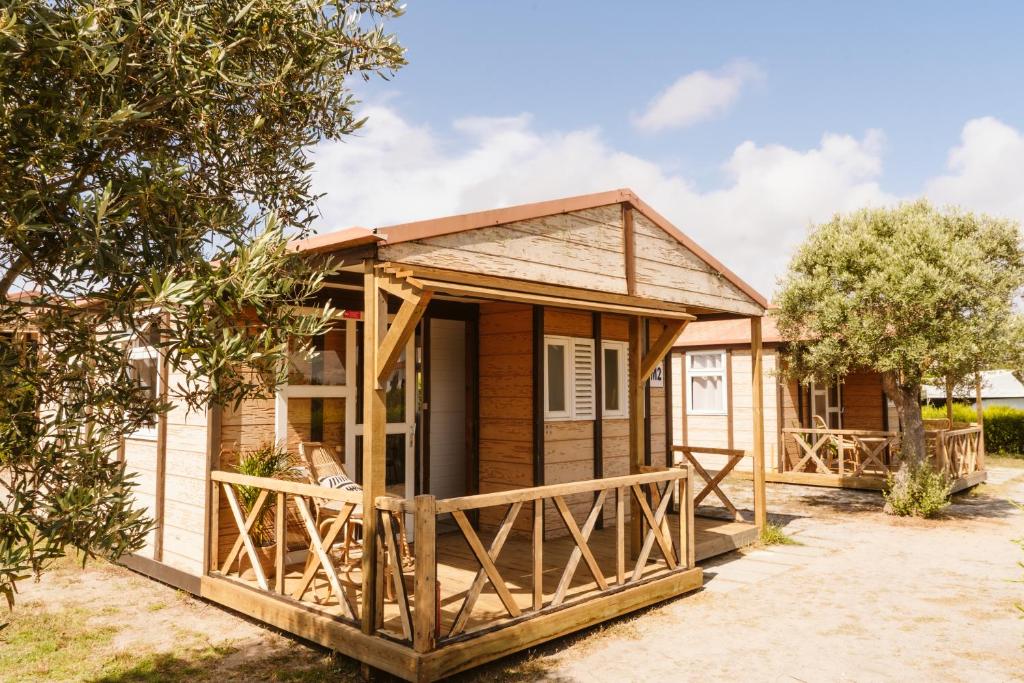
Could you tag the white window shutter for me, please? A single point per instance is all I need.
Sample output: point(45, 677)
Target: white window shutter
point(584, 397)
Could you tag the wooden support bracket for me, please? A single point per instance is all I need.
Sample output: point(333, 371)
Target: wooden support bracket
point(403, 327)
point(662, 345)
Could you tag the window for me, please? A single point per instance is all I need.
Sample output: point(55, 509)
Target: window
point(613, 385)
point(557, 376)
point(142, 361)
point(570, 379)
point(706, 382)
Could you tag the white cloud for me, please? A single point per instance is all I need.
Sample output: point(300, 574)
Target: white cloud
point(984, 170)
point(696, 97)
point(399, 172)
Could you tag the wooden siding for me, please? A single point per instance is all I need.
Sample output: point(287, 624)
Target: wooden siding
point(506, 409)
point(584, 249)
point(862, 401)
point(667, 270)
point(248, 426)
point(569, 444)
point(713, 430)
point(184, 486)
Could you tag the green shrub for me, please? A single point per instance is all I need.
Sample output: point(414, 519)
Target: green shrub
point(268, 460)
point(916, 490)
point(962, 412)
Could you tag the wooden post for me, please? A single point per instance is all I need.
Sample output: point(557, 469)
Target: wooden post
point(425, 595)
point(949, 401)
point(374, 416)
point(281, 539)
point(980, 410)
point(687, 543)
point(636, 426)
point(757, 371)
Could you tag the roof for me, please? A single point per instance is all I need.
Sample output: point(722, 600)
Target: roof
point(406, 232)
point(729, 332)
point(994, 384)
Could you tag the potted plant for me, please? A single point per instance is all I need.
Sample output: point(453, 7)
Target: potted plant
point(269, 460)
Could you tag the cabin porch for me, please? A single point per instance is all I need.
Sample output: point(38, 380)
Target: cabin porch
point(462, 595)
point(864, 459)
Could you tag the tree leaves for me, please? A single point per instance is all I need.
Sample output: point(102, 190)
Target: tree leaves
point(153, 160)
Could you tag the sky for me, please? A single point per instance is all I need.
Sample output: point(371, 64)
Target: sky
point(742, 123)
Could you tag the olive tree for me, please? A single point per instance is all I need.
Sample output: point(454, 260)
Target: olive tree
point(910, 292)
point(153, 167)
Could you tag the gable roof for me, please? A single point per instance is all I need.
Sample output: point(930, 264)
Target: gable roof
point(416, 230)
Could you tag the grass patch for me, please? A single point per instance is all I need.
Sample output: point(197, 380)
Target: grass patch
point(772, 534)
point(38, 645)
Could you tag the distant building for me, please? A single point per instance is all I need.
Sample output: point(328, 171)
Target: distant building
point(999, 388)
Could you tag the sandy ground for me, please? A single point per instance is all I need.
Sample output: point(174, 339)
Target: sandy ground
point(865, 597)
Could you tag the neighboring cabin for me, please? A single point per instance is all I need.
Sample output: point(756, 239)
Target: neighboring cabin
point(806, 425)
point(998, 388)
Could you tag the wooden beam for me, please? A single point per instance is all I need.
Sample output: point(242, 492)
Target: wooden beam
point(757, 371)
point(661, 346)
point(636, 425)
point(421, 273)
point(538, 397)
point(399, 333)
point(392, 285)
point(629, 247)
point(374, 418)
point(597, 301)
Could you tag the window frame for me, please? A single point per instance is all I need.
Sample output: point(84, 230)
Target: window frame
point(146, 351)
point(622, 348)
point(567, 377)
point(719, 372)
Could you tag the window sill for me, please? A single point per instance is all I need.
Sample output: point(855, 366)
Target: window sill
point(712, 413)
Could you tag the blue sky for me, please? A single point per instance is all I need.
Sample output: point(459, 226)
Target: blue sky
point(744, 123)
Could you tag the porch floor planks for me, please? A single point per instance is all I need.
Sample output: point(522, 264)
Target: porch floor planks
point(457, 567)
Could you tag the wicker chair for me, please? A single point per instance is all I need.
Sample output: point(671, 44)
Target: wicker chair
point(321, 462)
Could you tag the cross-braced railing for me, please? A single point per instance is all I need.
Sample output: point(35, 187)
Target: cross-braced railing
point(524, 598)
point(846, 452)
point(957, 452)
point(299, 524)
point(713, 478)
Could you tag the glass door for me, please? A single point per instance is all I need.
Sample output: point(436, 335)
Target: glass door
point(826, 405)
point(400, 429)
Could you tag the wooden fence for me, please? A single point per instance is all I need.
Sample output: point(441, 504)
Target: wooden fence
point(650, 492)
point(846, 452)
point(712, 479)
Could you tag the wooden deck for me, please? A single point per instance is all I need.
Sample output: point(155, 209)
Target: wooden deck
point(457, 567)
point(465, 596)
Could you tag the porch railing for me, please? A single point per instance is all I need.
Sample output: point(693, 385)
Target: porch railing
point(846, 452)
point(691, 455)
point(956, 452)
point(651, 492)
point(852, 452)
point(301, 559)
point(301, 535)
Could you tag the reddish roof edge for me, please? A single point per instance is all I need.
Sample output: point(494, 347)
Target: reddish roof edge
point(339, 239)
point(435, 227)
point(667, 226)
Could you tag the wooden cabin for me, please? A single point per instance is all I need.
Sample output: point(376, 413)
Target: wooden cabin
point(843, 434)
point(496, 382)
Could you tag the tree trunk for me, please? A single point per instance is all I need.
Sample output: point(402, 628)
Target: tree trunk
point(907, 397)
